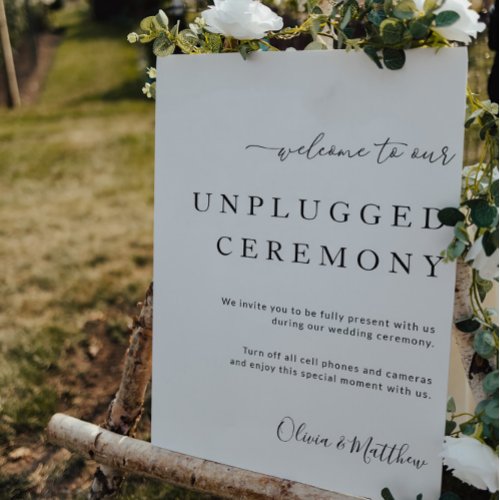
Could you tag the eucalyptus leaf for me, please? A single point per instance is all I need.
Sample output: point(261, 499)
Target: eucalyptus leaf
point(450, 216)
point(461, 233)
point(392, 31)
point(162, 20)
point(482, 213)
point(148, 24)
point(467, 429)
point(405, 9)
point(419, 28)
point(446, 18)
point(490, 382)
point(490, 242)
point(244, 50)
point(484, 344)
point(376, 16)
point(483, 287)
point(468, 325)
point(393, 58)
point(451, 407)
point(450, 427)
point(187, 41)
point(213, 42)
point(162, 46)
point(455, 249)
point(491, 409)
point(346, 19)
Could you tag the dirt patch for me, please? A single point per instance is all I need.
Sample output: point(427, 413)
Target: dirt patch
point(91, 378)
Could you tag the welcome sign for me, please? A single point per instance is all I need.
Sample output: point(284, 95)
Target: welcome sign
point(302, 307)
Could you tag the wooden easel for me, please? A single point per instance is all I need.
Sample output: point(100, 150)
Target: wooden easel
point(117, 453)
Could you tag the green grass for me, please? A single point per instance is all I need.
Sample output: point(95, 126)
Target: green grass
point(76, 212)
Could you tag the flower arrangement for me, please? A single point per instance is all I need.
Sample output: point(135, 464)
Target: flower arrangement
point(384, 30)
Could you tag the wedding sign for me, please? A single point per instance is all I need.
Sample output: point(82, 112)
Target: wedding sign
point(302, 308)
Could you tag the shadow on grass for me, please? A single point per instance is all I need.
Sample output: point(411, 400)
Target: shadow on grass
point(128, 90)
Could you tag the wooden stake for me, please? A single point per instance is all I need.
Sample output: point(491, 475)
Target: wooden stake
point(142, 458)
point(8, 58)
point(125, 410)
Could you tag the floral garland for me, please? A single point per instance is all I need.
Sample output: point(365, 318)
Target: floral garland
point(384, 29)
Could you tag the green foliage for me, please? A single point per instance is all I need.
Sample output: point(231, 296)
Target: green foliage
point(382, 29)
point(446, 18)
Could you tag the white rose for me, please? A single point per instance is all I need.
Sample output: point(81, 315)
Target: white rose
point(241, 19)
point(487, 266)
point(466, 26)
point(472, 462)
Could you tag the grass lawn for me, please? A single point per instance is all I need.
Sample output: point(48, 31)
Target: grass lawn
point(76, 238)
point(76, 215)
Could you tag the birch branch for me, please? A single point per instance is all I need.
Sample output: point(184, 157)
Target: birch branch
point(463, 310)
point(126, 408)
point(140, 457)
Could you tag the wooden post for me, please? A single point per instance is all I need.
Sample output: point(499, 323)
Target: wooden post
point(142, 458)
point(126, 408)
point(8, 58)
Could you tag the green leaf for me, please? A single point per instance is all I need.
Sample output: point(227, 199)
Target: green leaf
point(482, 213)
point(213, 42)
point(392, 31)
point(491, 409)
point(419, 28)
point(372, 53)
point(483, 287)
point(468, 325)
point(461, 233)
point(386, 494)
point(451, 407)
point(187, 41)
point(455, 249)
point(393, 58)
point(467, 429)
point(346, 19)
point(405, 9)
point(490, 242)
point(376, 16)
point(450, 216)
point(494, 192)
point(484, 344)
point(162, 46)
point(244, 50)
point(490, 382)
point(148, 24)
point(446, 18)
point(450, 427)
point(162, 20)
point(488, 415)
